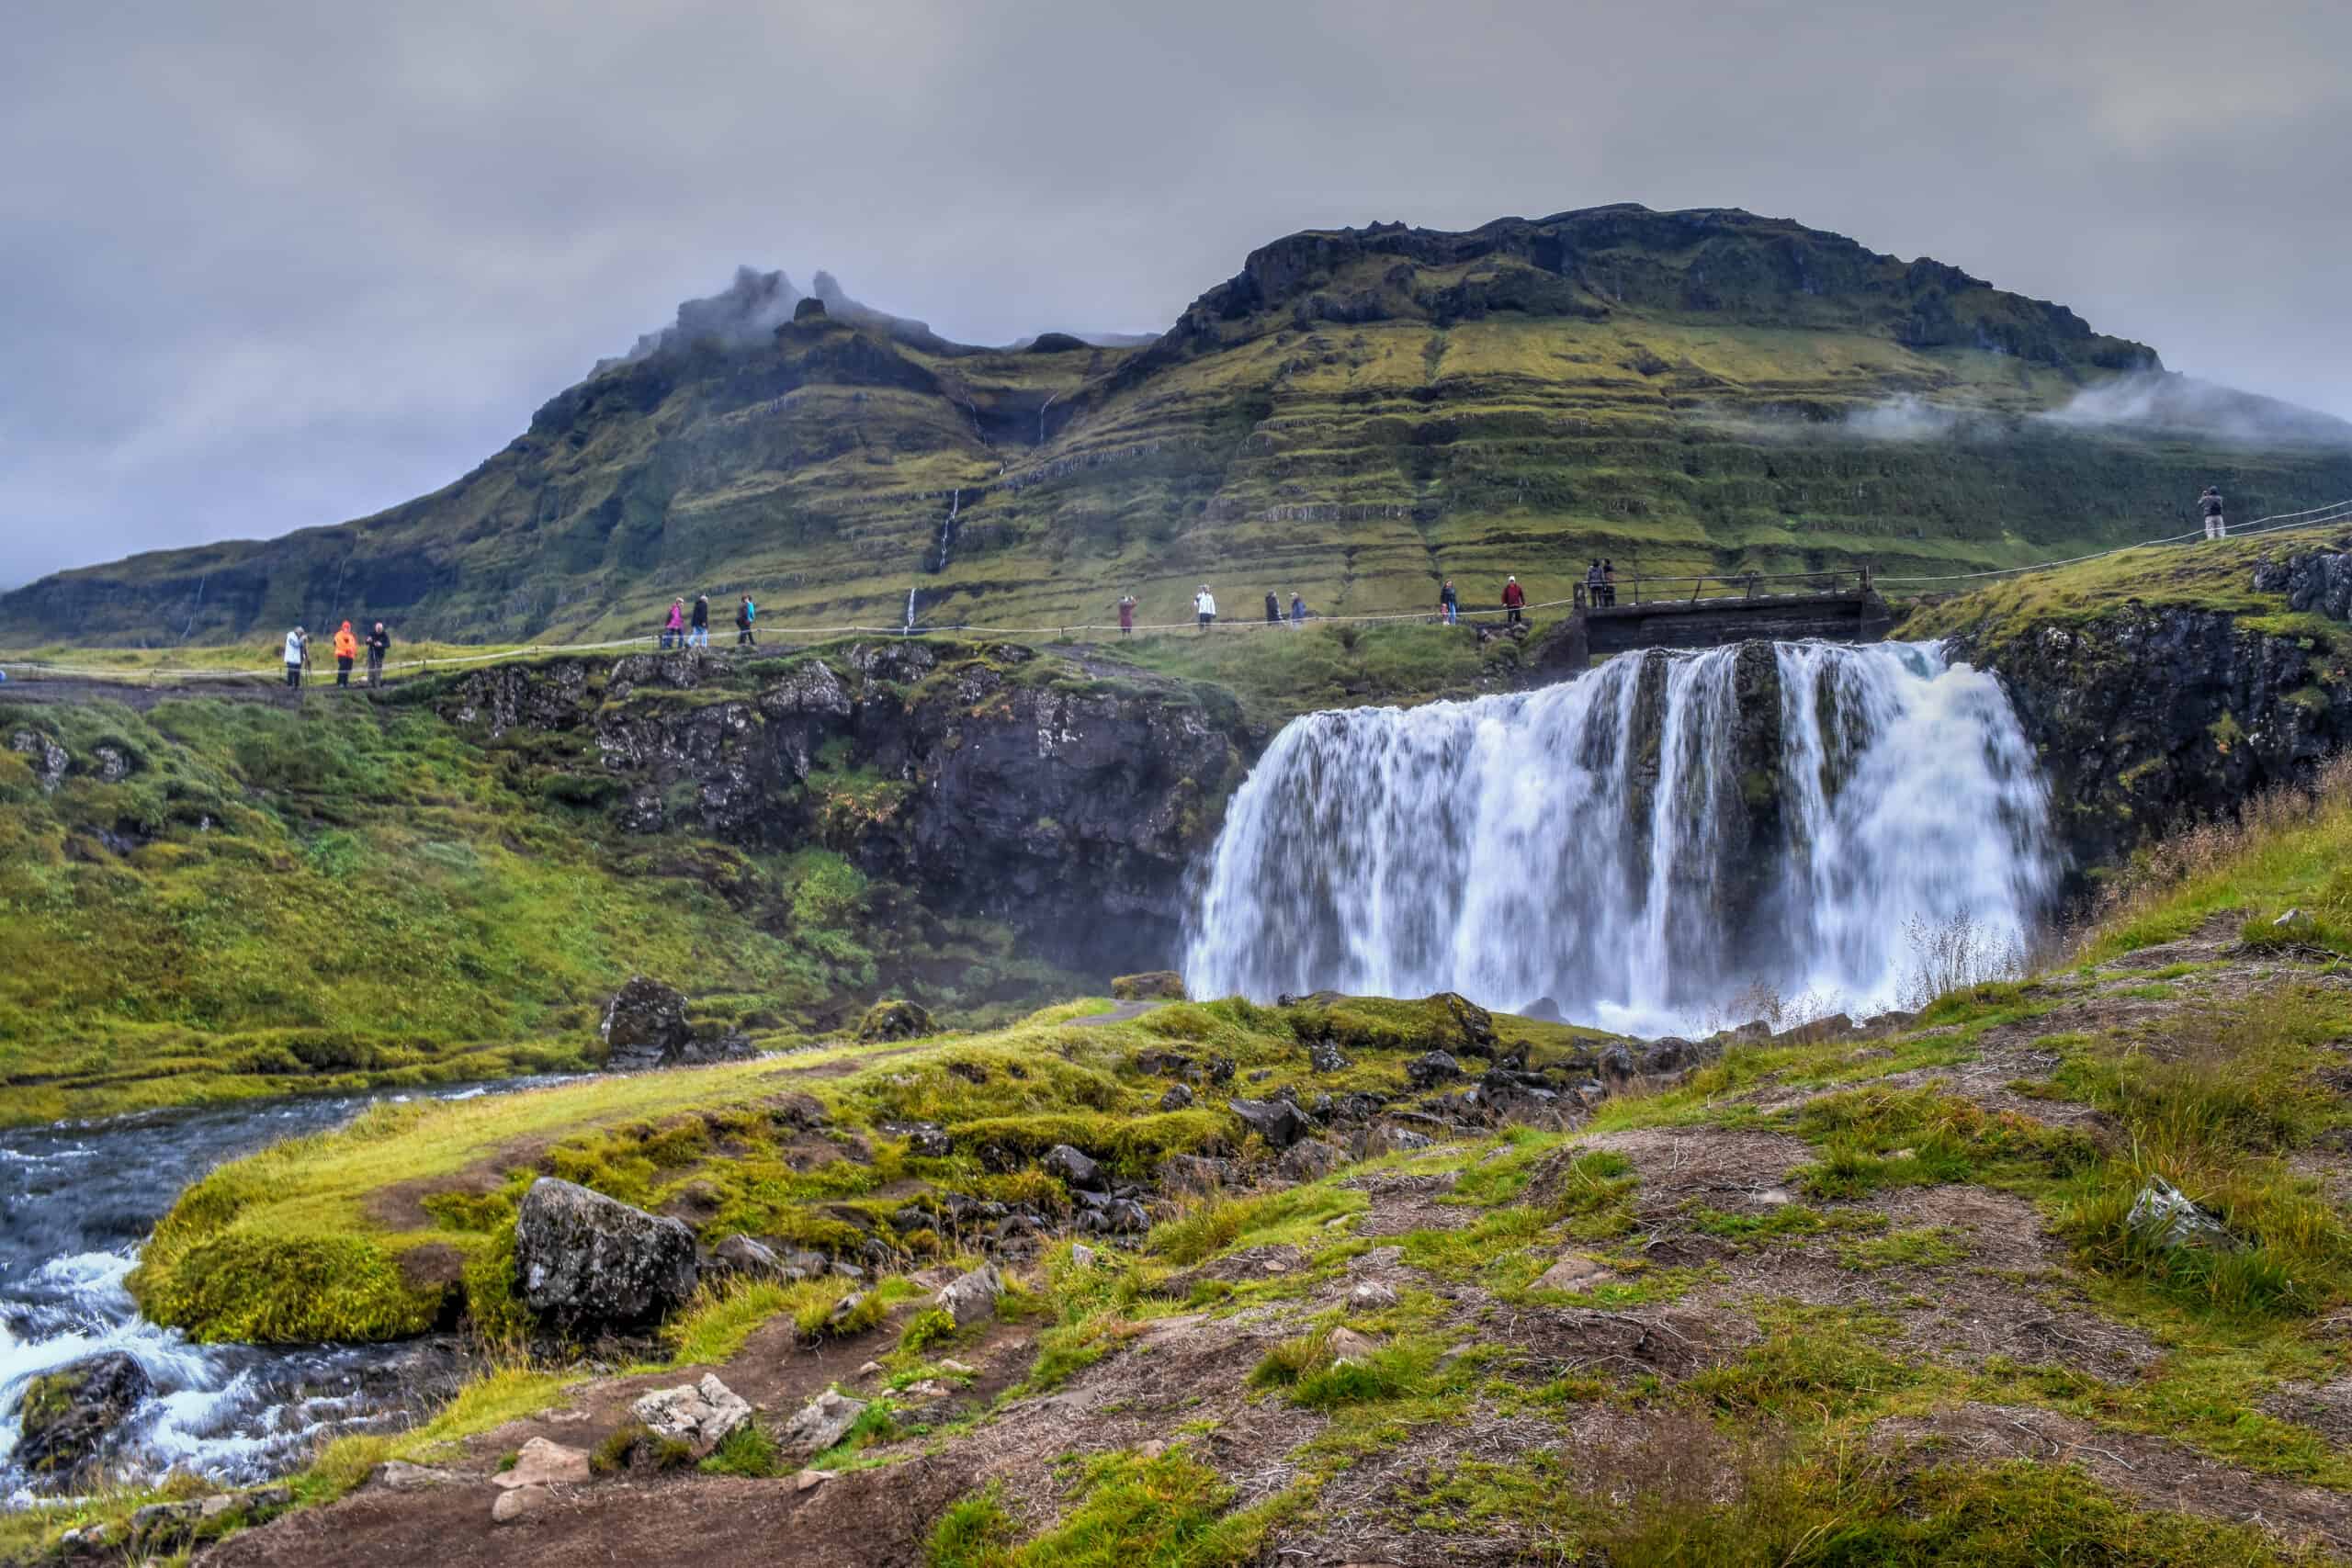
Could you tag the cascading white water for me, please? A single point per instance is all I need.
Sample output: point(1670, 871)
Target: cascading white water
point(946, 543)
point(1644, 844)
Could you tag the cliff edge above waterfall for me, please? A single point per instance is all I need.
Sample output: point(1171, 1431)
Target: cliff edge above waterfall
point(2168, 683)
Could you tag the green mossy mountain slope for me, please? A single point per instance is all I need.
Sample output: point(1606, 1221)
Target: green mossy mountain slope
point(1355, 414)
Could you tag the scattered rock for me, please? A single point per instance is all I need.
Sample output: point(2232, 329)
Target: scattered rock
point(67, 1414)
point(701, 1415)
point(1434, 1067)
point(1195, 1173)
point(1543, 1009)
point(399, 1475)
point(1220, 1069)
point(1074, 1168)
point(1178, 1098)
point(844, 1308)
point(2164, 1216)
point(2291, 918)
point(810, 1480)
point(972, 1296)
point(895, 1020)
point(870, 1369)
point(950, 1364)
point(925, 1140)
point(821, 1423)
point(1158, 985)
point(741, 1255)
point(1371, 1296)
point(1325, 1056)
point(512, 1507)
point(542, 1463)
point(1309, 1161)
point(1347, 1344)
point(160, 1529)
point(587, 1261)
point(1278, 1122)
point(1082, 1255)
point(1575, 1271)
point(1384, 1139)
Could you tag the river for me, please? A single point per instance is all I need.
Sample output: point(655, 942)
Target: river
point(77, 1203)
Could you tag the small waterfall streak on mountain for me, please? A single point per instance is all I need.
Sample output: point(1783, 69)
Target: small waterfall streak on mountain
point(911, 607)
point(1646, 845)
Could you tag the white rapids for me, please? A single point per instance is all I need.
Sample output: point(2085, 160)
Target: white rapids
point(1605, 844)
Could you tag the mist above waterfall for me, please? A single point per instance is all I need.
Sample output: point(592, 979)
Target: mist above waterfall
point(1647, 845)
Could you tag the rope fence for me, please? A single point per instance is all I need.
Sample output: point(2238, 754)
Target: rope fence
point(2312, 517)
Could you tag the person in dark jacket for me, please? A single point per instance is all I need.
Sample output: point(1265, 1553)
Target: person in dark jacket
point(1514, 599)
point(1298, 609)
point(2210, 504)
point(699, 635)
point(1273, 609)
point(744, 614)
point(379, 645)
point(1608, 582)
point(1449, 604)
point(1127, 614)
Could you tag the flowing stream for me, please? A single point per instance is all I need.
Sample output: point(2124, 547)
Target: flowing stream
point(1657, 846)
point(76, 1201)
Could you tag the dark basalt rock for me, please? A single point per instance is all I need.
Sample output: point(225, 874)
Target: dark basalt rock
point(1074, 1168)
point(1279, 1122)
point(1432, 1067)
point(895, 1020)
point(589, 1263)
point(645, 1024)
point(67, 1414)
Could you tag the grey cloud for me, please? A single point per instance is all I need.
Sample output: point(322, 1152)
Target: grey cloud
point(265, 265)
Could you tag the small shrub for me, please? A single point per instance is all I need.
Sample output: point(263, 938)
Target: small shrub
point(931, 1327)
point(748, 1451)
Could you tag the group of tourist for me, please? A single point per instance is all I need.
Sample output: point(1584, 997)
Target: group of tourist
point(686, 628)
point(347, 645)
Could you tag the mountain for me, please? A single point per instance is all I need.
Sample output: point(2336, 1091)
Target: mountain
point(1355, 414)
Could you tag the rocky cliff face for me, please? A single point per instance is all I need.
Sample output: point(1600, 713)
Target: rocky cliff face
point(2151, 714)
point(992, 780)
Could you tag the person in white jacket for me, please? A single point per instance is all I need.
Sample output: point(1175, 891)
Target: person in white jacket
point(298, 653)
point(1204, 606)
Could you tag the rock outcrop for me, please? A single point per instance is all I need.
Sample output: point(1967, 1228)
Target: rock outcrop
point(67, 1414)
point(2149, 715)
point(986, 779)
point(589, 1263)
point(645, 1026)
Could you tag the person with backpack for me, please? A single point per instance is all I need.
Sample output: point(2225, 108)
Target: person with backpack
point(1514, 599)
point(744, 614)
point(2210, 504)
point(297, 654)
point(379, 645)
point(346, 649)
point(1127, 614)
point(1204, 606)
point(700, 636)
point(1297, 610)
point(1449, 604)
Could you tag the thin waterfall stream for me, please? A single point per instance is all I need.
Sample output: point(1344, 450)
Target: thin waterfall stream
point(1649, 847)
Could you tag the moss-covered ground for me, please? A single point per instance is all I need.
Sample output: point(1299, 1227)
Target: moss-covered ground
point(1876, 1299)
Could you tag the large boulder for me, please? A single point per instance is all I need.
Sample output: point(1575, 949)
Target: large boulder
point(67, 1413)
point(822, 1422)
point(589, 1263)
point(971, 1297)
point(1279, 1122)
point(645, 1024)
point(1157, 985)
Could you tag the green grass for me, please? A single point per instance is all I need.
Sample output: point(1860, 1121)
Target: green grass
point(1168, 1512)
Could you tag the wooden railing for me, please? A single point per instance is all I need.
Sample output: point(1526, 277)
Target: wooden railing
point(1637, 589)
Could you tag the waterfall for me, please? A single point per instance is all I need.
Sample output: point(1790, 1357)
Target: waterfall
point(911, 608)
point(1651, 845)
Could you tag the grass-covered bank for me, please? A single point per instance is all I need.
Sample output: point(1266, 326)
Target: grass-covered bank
point(406, 1216)
point(216, 900)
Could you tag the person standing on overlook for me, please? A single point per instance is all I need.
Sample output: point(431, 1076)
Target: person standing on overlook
point(1449, 604)
point(1514, 599)
point(1609, 582)
point(1127, 614)
point(744, 614)
point(700, 636)
point(379, 643)
point(673, 630)
point(346, 649)
point(297, 654)
point(2210, 504)
point(1297, 610)
point(1204, 606)
point(1273, 609)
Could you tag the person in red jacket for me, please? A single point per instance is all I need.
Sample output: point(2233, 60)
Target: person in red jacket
point(1514, 599)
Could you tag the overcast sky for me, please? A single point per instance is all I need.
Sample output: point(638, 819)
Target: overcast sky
point(270, 264)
